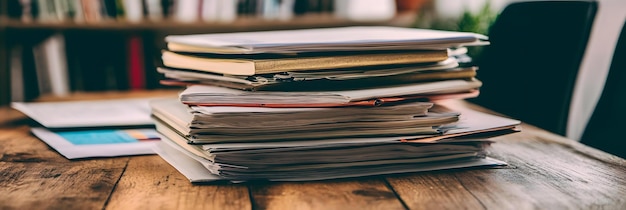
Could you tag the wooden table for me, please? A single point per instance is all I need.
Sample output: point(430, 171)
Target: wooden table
point(546, 171)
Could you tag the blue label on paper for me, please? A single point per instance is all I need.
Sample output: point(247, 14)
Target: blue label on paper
point(107, 136)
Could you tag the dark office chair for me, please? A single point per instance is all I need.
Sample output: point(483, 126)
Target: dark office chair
point(530, 68)
point(605, 129)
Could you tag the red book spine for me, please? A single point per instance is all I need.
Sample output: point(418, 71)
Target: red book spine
point(136, 71)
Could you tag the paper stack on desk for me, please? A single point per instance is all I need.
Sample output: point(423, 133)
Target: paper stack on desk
point(320, 104)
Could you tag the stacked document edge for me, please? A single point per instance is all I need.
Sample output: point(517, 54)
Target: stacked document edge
point(198, 169)
point(324, 157)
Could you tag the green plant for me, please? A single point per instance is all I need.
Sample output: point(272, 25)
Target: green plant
point(477, 23)
point(468, 22)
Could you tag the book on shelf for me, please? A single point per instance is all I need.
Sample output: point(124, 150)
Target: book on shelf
point(190, 11)
point(277, 10)
point(51, 66)
point(92, 10)
point(18, 91)
point(275, 63)
point(77, 11)
point(22, 10)
point(136, 60)
point(134, 10)
point(186, 10)
point(109, 8)
point(153, 10)
point(227, 11)
point(314, 6)
point(362, 10)
point(27, 68)
point(57, 64)
point(210, 10)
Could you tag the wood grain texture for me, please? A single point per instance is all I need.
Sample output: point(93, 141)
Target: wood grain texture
point(18, 145)
point(334, 194)
point(547, 174)
point(547, 171)
point(151, 183)
point(34, 176)
point(433, 190)
point(9, 117)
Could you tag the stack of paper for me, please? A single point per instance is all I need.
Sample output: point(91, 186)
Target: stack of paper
point(321, 104)
point(244, 124)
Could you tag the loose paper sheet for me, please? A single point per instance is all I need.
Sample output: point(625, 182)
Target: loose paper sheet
point(119, 112)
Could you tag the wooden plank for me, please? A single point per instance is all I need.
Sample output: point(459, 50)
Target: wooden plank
point(18, 145)
point(11, 117)
point(549, 175)
point(545, 171)
point(149, 182)
point(433, 190)
point(72, 185)
point(332, 194)
point(33, 176)
point(542, 174)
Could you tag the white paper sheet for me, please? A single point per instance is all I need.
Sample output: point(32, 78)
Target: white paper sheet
point(119, 112)
point(189, 167)
point(329, 38)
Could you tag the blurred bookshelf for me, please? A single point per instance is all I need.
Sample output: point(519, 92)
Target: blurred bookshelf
point(241, 24)
point(56, 47)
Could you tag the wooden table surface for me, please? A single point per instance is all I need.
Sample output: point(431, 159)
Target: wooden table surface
point(546, 171)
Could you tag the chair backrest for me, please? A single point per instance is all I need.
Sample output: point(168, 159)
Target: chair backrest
point(530, 67)
point(604, 129)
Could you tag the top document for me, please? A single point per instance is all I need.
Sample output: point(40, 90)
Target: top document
point(323, 40)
